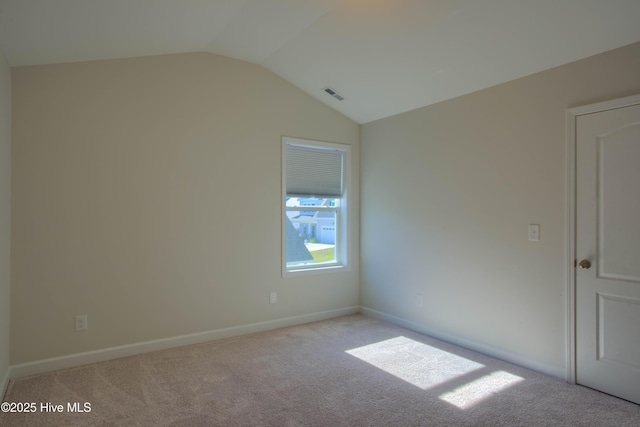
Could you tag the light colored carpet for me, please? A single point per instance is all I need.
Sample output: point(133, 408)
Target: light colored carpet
point(349, 371)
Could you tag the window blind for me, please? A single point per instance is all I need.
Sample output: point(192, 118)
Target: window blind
point(313, 172)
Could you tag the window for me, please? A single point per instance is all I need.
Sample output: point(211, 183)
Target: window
point(315, 189)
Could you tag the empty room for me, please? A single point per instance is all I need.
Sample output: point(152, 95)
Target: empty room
point(319, 212)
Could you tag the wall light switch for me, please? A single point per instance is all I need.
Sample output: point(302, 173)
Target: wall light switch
point(534, 232)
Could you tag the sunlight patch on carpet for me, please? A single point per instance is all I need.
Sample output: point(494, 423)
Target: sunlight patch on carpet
point(415, 362)
point(474, 392)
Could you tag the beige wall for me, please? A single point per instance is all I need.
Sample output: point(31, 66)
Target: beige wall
point(5, 215)
point(147, 196)
point(448, 192)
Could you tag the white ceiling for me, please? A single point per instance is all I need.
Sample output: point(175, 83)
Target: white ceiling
point(384, 56)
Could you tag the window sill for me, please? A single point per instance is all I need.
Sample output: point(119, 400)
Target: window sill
point(297, 272)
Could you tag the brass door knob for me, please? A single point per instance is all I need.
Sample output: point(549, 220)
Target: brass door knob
point(585, 264)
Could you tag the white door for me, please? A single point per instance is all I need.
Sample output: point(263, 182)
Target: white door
point(608, 238)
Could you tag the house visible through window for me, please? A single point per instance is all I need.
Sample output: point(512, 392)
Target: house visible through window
point(314, 192)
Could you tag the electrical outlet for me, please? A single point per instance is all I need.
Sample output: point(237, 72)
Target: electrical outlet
point(273, 297)
point(419, 300)
point(81, 323)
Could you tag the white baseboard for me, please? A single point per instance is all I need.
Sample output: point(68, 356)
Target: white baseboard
point(4, 383)
point(517, 359)
point(79, 359)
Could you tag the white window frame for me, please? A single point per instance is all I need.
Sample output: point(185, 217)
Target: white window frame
point(343, 246)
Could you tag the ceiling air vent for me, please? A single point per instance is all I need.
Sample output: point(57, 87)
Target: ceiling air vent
point(331, 91)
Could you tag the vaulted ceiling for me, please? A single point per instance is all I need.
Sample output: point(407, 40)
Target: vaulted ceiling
point(383, 56)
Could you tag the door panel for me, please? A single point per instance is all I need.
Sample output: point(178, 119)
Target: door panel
point(616, 345)
point(619, 203)
point(608, 235)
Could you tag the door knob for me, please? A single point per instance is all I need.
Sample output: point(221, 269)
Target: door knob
point(585, 264)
